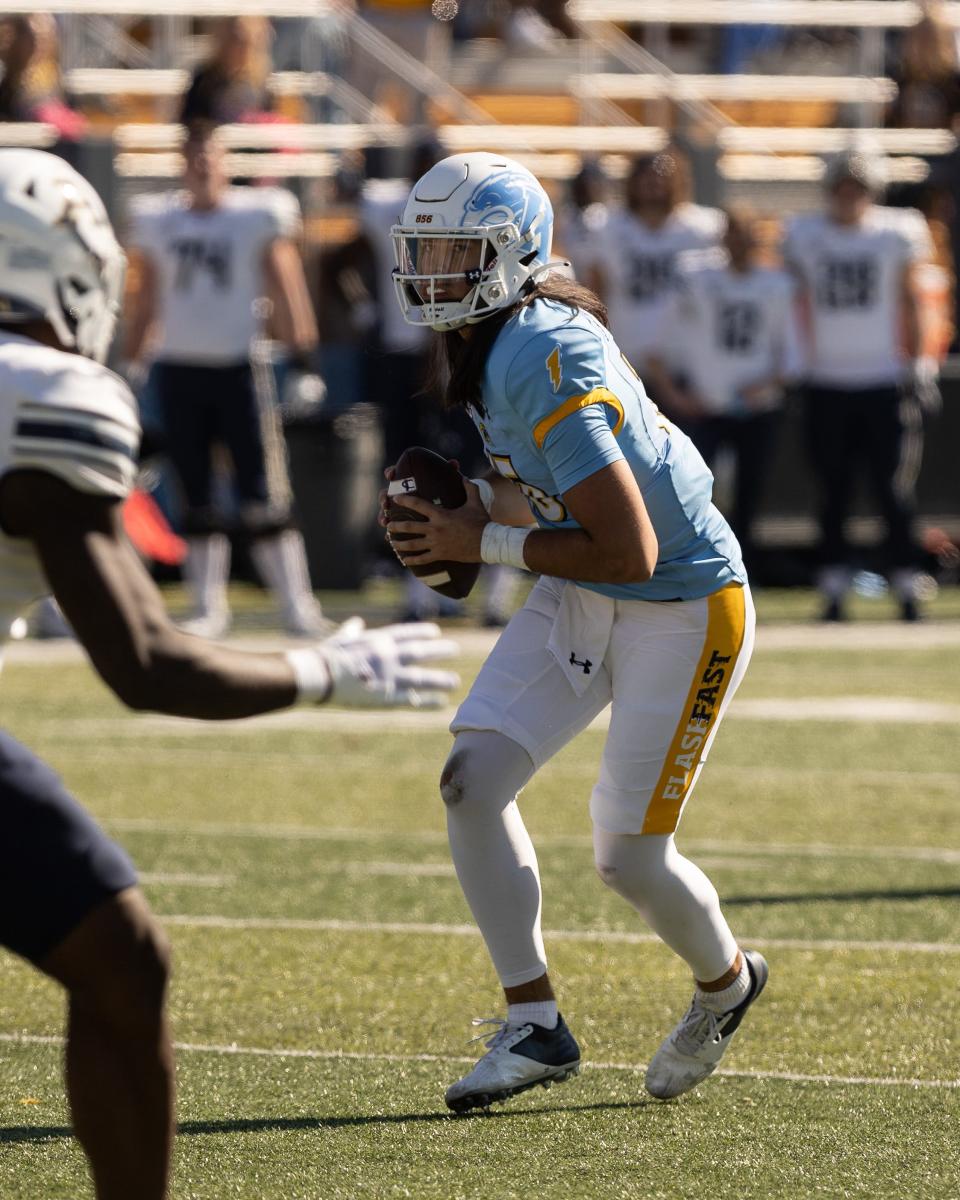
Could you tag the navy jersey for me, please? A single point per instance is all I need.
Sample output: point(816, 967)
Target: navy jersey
point(560, 403)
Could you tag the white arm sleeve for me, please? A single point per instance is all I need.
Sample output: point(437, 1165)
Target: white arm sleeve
point(284, 214)
point(918, 244)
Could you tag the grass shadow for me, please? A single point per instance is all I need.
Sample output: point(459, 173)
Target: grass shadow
point(942, 893)
point(257, 1124)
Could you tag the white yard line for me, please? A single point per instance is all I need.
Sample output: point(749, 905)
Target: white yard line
point(183, 877)
point(475, 643)
point(633, 1068)
point(619, 936)
point(236, 754)
point(884, 710)
point(434, 837)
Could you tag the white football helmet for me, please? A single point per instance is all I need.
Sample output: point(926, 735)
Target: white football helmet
point(474, 230)
point(59, 258)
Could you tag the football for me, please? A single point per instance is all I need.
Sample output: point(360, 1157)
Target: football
point(422, 473)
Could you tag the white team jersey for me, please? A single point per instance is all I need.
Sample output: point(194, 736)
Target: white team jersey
point(210, 269)
point(577, 235)
point(724, 330)
point(382, 203)
point(640, 267)
point(852, 277)
point(68, 416)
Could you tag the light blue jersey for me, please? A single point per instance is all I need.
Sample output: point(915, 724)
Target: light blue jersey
point(561, 403)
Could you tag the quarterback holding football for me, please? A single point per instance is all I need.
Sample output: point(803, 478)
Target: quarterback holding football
point(642, 605)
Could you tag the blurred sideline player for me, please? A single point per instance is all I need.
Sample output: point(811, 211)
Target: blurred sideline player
point(867, 379)
point(642, 605)
point(631, 261)
point(69, 903)
point(209, 256)
point(728, 344)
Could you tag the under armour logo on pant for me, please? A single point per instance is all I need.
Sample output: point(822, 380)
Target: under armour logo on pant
point(586, 664)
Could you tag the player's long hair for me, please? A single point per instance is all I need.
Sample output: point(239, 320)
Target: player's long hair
point(457, 363)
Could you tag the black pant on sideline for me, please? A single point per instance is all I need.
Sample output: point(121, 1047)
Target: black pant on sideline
point(751, 439)
point(880, 431)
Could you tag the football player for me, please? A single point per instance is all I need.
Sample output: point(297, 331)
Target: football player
point(728, 344)
point(69, 901)
point(642, 604)
point(631, 260)
point(867, 377)
point(208, 258)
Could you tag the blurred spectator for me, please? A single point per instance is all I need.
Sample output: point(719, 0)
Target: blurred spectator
point(208, 258)
point(581, 219)
point(346, 289)
point(232, 83)
point(535, 25)
point(739, 44)
point(729, 343)
point(410, 24)
point(30, 88)
point(867, 379)
point(631, 263)
point(927, 78)
point(317, 43)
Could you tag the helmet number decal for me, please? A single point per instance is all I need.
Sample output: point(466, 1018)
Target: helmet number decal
point(551, 508)
point(554, 369)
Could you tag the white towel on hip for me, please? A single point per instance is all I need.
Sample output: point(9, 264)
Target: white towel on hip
point(580, 634)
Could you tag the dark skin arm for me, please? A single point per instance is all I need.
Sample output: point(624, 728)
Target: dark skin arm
point(119, 616)
point(603, 550)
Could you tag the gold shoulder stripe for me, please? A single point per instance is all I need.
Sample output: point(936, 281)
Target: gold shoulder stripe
point(574, 404)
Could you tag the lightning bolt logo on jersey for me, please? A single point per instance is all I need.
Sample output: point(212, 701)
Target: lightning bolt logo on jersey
point(560, 403)
point(554, 367)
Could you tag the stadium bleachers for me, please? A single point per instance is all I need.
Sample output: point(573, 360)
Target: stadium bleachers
point(601, 94)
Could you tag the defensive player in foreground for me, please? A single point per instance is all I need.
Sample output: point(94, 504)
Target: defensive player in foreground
point(68, 445)
point(642, 604)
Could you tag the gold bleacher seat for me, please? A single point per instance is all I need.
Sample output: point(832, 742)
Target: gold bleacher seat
point(559, 109)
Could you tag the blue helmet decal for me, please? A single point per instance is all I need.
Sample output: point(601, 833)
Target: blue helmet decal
point(513, 198)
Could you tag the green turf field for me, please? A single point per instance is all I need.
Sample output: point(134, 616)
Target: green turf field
point(326, 969)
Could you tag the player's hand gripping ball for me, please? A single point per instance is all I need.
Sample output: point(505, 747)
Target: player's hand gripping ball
point(428, 476)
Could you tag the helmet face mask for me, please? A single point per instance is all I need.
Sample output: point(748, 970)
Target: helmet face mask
point(445, 281)
point(475, 230)
point(59, 259)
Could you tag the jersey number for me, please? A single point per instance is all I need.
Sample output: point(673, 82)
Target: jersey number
point(847, 283)
point(551, 508)
point(193, 255)
point(737, 326)
point(648, 276)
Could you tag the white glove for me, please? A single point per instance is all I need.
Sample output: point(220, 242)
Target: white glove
point(923, 384)
point(376, 668)
point(303, 395)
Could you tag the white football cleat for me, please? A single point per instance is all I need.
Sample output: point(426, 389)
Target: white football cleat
point(306, 620)
point(695, 1047)
point(518, 1057)
point(210, 626)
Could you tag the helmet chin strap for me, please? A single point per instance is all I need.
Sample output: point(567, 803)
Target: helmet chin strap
point(545, 269)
